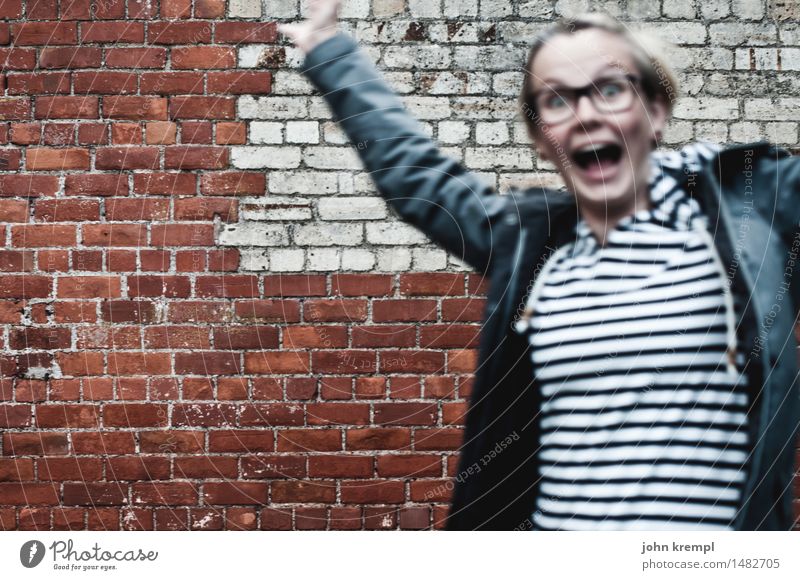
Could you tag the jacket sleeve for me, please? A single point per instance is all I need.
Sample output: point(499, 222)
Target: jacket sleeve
point(431, 191)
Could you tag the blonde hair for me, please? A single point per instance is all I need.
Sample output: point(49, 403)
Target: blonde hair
point(658, 78)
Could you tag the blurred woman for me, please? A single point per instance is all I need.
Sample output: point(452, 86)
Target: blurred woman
point(637, 358)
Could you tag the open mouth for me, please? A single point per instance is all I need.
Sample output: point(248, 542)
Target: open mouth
point(598, 160)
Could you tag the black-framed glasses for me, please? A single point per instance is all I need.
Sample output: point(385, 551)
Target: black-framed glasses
point(613, 94)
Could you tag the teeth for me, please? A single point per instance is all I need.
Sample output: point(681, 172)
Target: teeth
point(592, 148)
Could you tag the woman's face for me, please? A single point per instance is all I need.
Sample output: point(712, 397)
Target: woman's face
point(612, 176)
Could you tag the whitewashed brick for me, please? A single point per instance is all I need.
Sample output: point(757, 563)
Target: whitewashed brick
point(254, 260)
point(460, 8)
point(332, 158)
point(734, 34)
point(783, 133)
point(642, 9)
point(496, 8)
point(417, 57)
point(508, 83)
point(305, 182)
point(244, 8)
point(328, 234)
point(678, 132)
point(428, 259)
point(491, 133)
point(385, 8)
point(715, 9)
point(499, 158)
point(394, 233)
point(782, 109)
point(254, 234)
point(519, 32)
point(263, 157)
point(501, 58)
point(448, 83)
point(485, 108)
point(302, 132)
point(714, 131)
point(266, 132)
point(323, 259)
point(425, 8)
point(535, 9)
point(745, 132)
point(286, 260)
point(679, 9)
point(678, 32)
point(706, 108)
point(790, 32)
point(453, 132)
point(358, 259)
point(790, 59)
point(748, 9)
point(758, 58)
point(275, 208)
point(271, 107)
point(249, 55)
point(428, 107)
point(281, 8)
point(352, 208)
point(394, 260)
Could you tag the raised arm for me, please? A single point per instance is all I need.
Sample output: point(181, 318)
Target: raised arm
point(427, 189)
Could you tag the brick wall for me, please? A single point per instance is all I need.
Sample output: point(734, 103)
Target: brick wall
point(209, 319)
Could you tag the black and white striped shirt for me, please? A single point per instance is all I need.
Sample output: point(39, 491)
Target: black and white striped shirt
point(643, 416)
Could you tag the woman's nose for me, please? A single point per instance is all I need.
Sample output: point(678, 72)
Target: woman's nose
point(585, 110)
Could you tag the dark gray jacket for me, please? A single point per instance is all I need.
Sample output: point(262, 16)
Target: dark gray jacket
point(751, 194)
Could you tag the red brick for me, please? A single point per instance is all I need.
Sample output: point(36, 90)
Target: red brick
point(303, 491)
point(172, 493)
point(135, 415)
point(203, 57)
point(235, 492)
point(42, 443)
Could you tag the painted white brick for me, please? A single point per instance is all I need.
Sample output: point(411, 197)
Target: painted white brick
point(266, 132)
point(643, 9)
point(352, 208)
point(358, 259)
point(428, 107)
point(453, 131)
point(679, 9)
point(496, 8)
point(714, 131)
point(425, 8)
point(782, 109)
point(426, 260)
point(305, 182)
point(290, 83)
point(491, 133)
point(332, 158)
point(790, 33)
point(519, 32)
point(535, 9)
point(394, 233)
point(678, 132)
point(706, 108)
point(501, 58)
point(678, 32)
point(254, 260)
point(715, 9)
point(460, 83)
point(790, 59)
point(386, 8)
point(323, 259)
point(254, 234)
point(745, 132)
point(748, 9)
point(417, 57)
point(394, 260)
point(762, 58)
point(256, 157)
point(274, 208)
point(281, 8)
point(325, 234)
point(244, 8)
point(735, 34)
point(508, 83)
point(249, 55)
point(286, 260)
point(460, 8)
point(499, 158)
point(302, 132)
point(784, 133)
point(485, 108)
point(271, 107)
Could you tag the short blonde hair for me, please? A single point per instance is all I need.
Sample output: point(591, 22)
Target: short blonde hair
point(648, 52)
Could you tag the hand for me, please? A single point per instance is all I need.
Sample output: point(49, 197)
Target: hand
point(320, 25)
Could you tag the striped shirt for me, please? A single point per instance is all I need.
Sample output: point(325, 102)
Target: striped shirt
point(643, 414)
